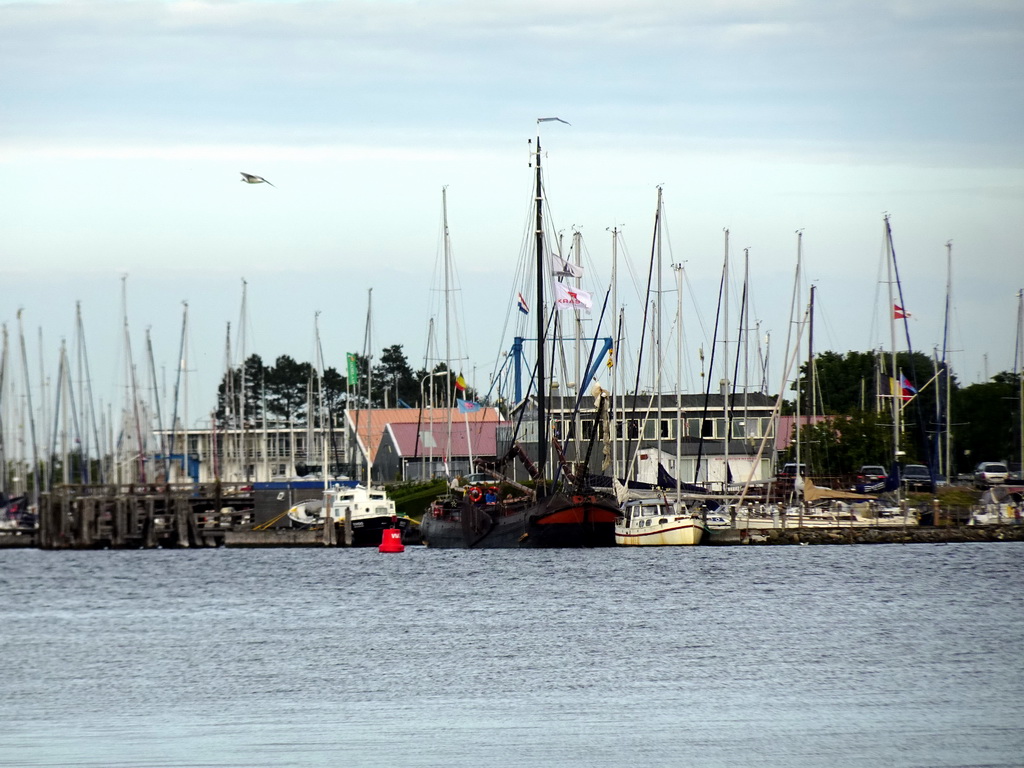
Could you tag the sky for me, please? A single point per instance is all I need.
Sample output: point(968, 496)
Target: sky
point(124, 126)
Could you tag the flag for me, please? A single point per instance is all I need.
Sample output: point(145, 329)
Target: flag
point(571, 298)
point(523, 306)
point(906, 388)
point(460, 383)
point(353, 367)
point(467, 406)
point(563, 268)
point(898, 313)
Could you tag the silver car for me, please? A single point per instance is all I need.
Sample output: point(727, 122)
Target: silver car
point(990, 473)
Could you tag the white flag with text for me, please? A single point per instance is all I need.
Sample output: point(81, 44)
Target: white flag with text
point(567, 297)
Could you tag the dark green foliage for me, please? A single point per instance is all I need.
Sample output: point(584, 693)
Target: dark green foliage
point(986, 422)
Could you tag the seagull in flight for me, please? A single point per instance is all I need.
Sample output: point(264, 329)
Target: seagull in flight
point(249, 178)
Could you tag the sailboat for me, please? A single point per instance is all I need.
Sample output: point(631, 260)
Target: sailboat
point(578, 516)
point(362, 509)
point(482, 515)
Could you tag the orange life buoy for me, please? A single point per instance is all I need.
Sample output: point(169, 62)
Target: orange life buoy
point(475, 494)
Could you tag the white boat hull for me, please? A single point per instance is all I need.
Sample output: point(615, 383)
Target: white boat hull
point(674, 531)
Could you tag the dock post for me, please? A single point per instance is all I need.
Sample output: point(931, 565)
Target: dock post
point(329, 533)
point(87, 521)
point(348, 526)
point(149, 525)
point(181, 520)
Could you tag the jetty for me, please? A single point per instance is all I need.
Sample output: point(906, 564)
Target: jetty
point(81, 517)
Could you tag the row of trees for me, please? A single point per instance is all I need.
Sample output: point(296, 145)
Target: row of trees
point(288, 391)
point(984, 418)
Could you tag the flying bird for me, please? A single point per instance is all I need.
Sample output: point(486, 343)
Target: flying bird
point(249, 178)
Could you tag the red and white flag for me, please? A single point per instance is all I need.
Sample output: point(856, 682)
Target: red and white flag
point(572, 298)
point(898, 313)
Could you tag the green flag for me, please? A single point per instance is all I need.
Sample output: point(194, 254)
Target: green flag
point(353, 367)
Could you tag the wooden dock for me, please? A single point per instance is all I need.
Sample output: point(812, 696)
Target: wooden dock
point(138, 517)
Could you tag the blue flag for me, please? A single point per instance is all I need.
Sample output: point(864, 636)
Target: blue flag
point(467, 406)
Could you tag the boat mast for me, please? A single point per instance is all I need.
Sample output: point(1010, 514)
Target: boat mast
point(947, 454)
point(156, 397)
point(31, 414)
point(368, 347)
point(542, 417)
point(1018, 369)
point(241, 388)
point(614, 351)
point(320, 390)
point(680, 421)
point(894, 382)
point(725, 388)
point(3, 407)
point(447, 335)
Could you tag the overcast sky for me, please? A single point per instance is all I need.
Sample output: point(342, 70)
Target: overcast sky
point(124, 125)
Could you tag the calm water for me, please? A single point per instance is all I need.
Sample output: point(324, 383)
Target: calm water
point(880, 655)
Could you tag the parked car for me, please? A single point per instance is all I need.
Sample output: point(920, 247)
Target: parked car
point(990, 473)
point(872, 473)
point(788, 471)
point(917, 477)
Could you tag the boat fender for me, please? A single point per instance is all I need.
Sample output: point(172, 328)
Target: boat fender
point(475, 494)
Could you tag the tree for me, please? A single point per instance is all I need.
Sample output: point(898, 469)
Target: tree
point(394, 376)
point(985, 420)
point(287, 382)
point(842, 443)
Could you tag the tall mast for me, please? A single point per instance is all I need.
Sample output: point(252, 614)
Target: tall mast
point(894, 385)
point(368, 345)
point(3, 407)
point(156, 396)
point(947, 465)
point(1018, 369)
point(447, 336)
point(726, 389)
point(658, 351)
point(182, 351)
point(320, 390)
point(680, 422)
point(542, 416)
point(811, 383)
point(241, 388)
point(447, 287)
point(31, 414)
point(614, 352)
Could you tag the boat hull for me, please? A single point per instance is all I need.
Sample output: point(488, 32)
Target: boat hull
point(578, 521)
point(465, 525)
point(674, 532)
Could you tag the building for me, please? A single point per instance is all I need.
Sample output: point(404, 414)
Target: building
point(694, 437)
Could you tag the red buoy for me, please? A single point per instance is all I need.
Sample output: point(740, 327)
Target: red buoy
point(391, 541)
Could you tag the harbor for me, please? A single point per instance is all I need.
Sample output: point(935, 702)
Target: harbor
point(183, 517)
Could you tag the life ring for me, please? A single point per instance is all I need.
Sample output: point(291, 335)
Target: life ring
point(475, 494)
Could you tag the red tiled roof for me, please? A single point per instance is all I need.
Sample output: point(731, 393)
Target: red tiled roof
point(369, 425)
point(421, 440)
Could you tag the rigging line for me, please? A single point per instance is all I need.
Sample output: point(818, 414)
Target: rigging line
point(707, 384)
point(643, 328)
